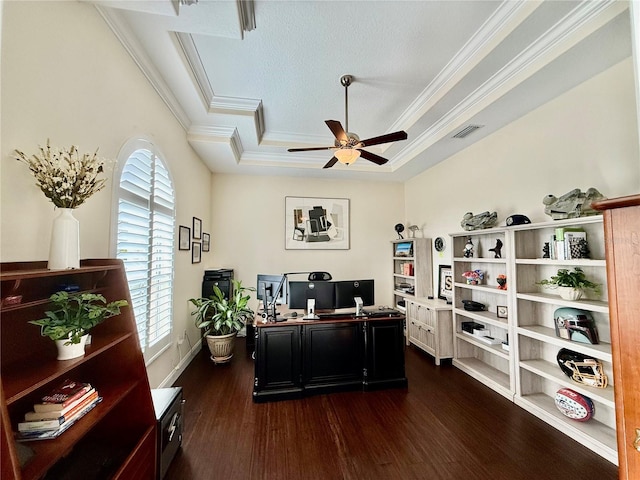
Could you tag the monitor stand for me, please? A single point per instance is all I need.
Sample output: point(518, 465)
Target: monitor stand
point(311, 310)
point(359, 306)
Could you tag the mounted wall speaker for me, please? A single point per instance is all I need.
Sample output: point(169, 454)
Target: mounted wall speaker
point(320, 277)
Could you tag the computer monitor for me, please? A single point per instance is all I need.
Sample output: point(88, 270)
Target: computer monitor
point(347, 290)
point(322, 292)
point(267, 287)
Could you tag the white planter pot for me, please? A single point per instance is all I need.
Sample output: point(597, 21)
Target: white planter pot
point(221, 347)
point(73, 350)
point(570, 293)
point(64, 250)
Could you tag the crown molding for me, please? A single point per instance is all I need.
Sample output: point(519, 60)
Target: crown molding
point(501, 23)
point(131, 44)
point(575, 26)
point(225, 135)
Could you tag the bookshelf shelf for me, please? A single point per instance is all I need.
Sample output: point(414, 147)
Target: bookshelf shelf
point(112, 363)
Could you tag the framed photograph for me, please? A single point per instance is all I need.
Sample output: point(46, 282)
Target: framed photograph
point(445, 283)
point(316, 223)
point(197, 228)
point(502, 311)
point(206, 242)
point(184, 238)
point(196, 252)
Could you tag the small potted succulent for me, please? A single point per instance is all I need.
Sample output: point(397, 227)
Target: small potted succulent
point(75, 315)
point(571, 284)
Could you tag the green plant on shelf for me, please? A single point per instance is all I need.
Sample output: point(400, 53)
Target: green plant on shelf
point(572, 279)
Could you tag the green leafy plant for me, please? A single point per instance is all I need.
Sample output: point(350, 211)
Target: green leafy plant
point(573, 279)
point(75, 315)
point(220, 316)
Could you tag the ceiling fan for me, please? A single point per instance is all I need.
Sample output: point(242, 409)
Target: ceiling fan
point(348, 146)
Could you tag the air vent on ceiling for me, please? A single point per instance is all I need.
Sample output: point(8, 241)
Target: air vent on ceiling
point(469, 129)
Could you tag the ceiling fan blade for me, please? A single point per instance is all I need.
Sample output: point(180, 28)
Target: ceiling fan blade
point(331, 162)
point(389, 137)
point(309, 149)
point(336, 128)
point(372, 157)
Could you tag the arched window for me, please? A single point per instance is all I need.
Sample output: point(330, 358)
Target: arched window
point(145, 243)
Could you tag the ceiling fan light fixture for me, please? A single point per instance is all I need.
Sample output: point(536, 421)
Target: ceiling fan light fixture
point(347, 155)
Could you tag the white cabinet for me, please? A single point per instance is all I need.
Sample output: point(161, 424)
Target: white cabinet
point(490, 363)
point(537, 372)
point(430, 328)
point(412, 271)
point(528, 372)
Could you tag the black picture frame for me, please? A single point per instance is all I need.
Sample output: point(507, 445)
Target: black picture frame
point(197, 228)
point(206, 242)
point(502, 311)
point(445, 283)
point(184, 238)
point(196, 252)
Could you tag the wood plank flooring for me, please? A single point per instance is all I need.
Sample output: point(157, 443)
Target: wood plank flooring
point(444, 426)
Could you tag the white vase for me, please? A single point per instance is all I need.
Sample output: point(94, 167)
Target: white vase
point(73, 350)
point(570, 293)
point(64, 252)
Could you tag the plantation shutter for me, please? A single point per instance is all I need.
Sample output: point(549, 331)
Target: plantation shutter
point(145, 243)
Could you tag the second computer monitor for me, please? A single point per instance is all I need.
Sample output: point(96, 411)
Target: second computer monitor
point(347, 290)
point(322, 292)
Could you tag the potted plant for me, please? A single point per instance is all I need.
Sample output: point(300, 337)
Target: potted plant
point(571, 284)
point(75, 315)
point(221, 318)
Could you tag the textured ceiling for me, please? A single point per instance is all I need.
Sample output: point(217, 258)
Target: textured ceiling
point(427, 67)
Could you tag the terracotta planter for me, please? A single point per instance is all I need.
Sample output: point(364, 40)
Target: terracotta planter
point(221, 347)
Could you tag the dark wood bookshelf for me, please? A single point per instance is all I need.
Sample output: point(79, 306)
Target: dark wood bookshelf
point(121, 428)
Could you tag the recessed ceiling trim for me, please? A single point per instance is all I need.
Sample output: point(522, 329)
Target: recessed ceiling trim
point(225, 135)
point(578, 24)
point(507, 17)
point(127, 38)
point(246, 10)
point(194, 63)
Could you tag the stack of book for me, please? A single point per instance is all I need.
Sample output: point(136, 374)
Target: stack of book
point(58, 410)
point(569, 243)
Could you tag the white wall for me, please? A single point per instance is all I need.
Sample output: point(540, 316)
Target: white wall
point(66, 77)
point(247, 229)
point(584, 138)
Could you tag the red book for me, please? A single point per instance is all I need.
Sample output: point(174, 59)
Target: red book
point(65, 395)
point(65, 412)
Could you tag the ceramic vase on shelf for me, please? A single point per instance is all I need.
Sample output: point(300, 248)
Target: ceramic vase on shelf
point(64, 252)
point(72, 350)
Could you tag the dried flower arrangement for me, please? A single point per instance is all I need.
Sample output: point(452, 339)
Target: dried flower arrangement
point(65, 177)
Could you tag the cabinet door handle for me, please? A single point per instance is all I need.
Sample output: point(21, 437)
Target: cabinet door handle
point(636, 442)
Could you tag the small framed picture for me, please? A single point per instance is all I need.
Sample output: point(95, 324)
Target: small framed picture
point(206, 242)
point(196, 252)
point(445, 283)
point(184, 238)
point(502, 311)
point(197, 228)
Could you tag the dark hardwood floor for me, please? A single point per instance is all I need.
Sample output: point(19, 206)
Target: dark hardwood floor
point(444, 426)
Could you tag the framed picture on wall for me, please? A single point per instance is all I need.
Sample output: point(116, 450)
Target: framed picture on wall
point(206, 242)
point(197, 228)
point(184, 238)
point(316, 223)
point(196, 252)
point(445, 283)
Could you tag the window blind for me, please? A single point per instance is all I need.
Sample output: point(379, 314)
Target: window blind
point(145, 243)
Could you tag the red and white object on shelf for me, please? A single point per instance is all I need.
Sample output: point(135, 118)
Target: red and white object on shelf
point(574, 405)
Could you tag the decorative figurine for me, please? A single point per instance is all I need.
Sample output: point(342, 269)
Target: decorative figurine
point(502, 281)
point(572, 204)
point(497, 249)
point(480, 221)
point(399, 229)
point(468, 248)
point(545, 250)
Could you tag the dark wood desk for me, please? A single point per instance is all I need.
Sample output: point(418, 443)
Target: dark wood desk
point(297, 357)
